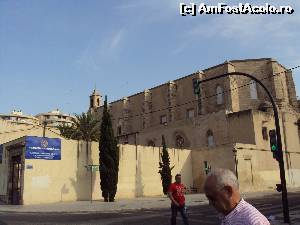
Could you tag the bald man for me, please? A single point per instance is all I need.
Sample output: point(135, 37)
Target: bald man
point(222, 190)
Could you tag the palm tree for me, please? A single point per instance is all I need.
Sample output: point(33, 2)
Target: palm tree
point(67, 131)
point(85, 127)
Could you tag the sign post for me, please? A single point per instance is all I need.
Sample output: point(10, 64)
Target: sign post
point(92, 168)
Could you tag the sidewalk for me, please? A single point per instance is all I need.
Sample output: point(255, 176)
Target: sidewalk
point(294, 219)
point(119, 205)
point(100, 206)
point(128, 204)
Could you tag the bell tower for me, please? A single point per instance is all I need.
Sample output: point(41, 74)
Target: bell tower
point(95, 100)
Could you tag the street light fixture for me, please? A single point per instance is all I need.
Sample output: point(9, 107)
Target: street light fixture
point(278, 134)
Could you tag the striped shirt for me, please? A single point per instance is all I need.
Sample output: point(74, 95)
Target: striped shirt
point(244, 214)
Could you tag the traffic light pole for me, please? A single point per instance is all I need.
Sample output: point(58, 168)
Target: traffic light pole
point(285, 205)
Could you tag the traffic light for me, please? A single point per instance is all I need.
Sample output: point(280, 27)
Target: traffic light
point(273, 144)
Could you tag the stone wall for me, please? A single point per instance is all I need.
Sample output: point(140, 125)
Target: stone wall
point(69, 180)
point(141, 112)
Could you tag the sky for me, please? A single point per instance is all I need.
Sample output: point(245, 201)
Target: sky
point(53, 53)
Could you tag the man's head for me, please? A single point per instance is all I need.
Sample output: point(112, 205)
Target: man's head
point(222, 190)
point(178, 178)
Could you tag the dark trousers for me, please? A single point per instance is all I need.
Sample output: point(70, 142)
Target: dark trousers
point(175, 209)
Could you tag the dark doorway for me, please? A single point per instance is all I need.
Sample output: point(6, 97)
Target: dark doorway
point(15, 184)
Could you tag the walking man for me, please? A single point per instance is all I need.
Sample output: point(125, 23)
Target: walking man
point(222, 190)
point(176, 195)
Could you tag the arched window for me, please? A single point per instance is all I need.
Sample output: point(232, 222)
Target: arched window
point(126, 140)
point(119, 127)
point(179, 141)
point(253, 90)
point(219, 92)
point(210, 138)
point(151, 143)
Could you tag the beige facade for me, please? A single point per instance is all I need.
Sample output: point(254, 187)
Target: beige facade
point(10, 131)
point(55, 118)
point(225, 129)
point(68, 179)
point(174, 110)
point(17, 117)
point(46, 181)
point(231, 110)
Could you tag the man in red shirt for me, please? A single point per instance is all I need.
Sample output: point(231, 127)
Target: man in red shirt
point(176, 194)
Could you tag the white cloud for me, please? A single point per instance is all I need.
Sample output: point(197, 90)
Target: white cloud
point(99, 50)
point(86, 58)
point(116, 39)
point(180, 48)
point(245, 30)
point(247, 27)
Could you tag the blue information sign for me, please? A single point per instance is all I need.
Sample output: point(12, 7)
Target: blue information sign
point(43, 148)
point(1, 153)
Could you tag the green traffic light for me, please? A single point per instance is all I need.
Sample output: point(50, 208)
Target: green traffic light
point(273, 148)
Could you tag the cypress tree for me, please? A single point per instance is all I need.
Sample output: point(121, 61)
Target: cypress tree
point(164, 168)
point(108, 157)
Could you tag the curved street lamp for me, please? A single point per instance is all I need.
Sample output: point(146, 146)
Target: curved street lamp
point(278, 134)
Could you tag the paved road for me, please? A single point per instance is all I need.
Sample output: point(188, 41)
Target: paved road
point(202, 214)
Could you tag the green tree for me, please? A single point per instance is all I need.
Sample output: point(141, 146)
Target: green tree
point(108, 157)
point(85, 127)
point(164, 167)
point(67, 131)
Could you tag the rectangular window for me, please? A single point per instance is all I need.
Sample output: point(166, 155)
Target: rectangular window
point(190, 113)
point(253, 90)
point(265, 133)
point(163, 119)
point(119, 130)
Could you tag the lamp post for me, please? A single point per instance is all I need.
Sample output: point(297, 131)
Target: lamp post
point(44, 128)
point(278, 135)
